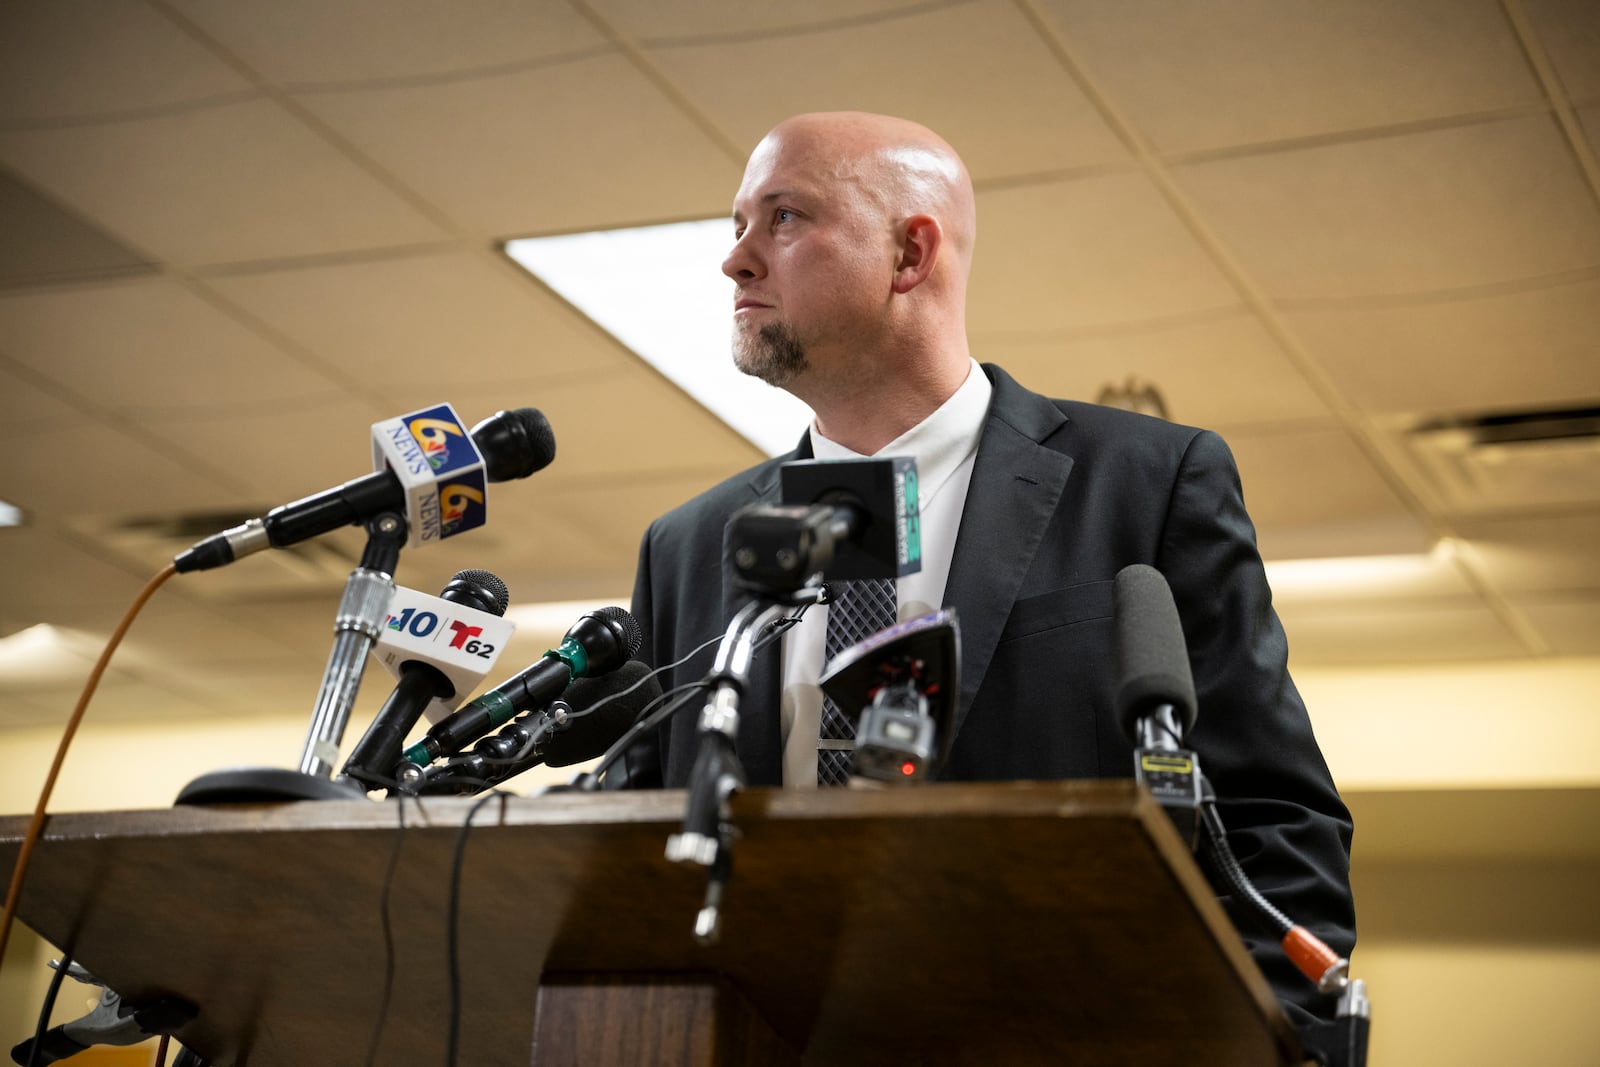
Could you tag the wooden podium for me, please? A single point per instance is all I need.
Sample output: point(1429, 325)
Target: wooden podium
point(1021, 923)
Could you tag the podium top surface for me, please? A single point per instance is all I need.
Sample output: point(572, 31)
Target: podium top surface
point(1006, 923)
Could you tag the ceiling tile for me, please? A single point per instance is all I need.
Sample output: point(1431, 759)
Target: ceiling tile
point(45, 244)
point(220, 184)
point(1440, 630)
point(600, 439)
point(1295, 477)
point(99, 469)
point(309, 42)
point(747, 85)
point(302, 625)
point(425, 321)
point(588, 144)
point(1503, 352)
point(276, 453)
point(651, 23)
point(1569, 622)
point(25, 408)
point(1187, 362)
point(45, 573)
point(63, 59)
point(1475, 205)
point(1092, 252)
point(118, 698)
point(1230, 72)
point(1537, 554)
point(1589, 120)
point(1570, 33)
point(152, 346)
point(173, 630)
point(22, 710)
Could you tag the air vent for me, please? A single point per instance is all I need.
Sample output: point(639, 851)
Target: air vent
point(1513, 459)
point(319, 566)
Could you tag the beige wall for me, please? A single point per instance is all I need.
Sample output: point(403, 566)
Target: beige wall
point(1476, 794)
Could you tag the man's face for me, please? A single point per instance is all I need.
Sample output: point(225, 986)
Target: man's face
point(813, 262)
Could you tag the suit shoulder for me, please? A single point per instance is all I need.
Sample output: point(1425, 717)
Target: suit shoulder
point(716, 503)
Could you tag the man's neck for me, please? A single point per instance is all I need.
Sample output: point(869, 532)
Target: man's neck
point(866, 414)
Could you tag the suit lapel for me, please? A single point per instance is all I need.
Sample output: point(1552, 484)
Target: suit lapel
point(1015, 489)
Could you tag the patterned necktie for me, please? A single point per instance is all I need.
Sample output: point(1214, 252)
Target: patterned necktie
point(862, 609)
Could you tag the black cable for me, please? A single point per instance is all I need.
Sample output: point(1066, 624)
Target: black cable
point(642, 724)
point(388, 934)
point(49, 1006)
point(648, 721)
point(591, 779)
point(1228, 867)
point(453, 917)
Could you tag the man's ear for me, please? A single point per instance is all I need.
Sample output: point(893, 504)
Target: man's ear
point(919, 251)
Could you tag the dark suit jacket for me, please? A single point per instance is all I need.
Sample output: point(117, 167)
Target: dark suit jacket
point(1063, 495)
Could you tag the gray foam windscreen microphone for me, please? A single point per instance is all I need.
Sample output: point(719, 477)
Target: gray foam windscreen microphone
point(1152, 657)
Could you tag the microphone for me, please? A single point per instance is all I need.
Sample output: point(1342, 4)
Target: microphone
point(1155, 699)
point(434, 488)
point(844, 519)
point(583, 724)
point(901, 685)
point(436, 661)
point(598, 643)
point(1156, 707)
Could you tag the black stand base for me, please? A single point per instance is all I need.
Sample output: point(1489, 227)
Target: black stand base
point(244, 785)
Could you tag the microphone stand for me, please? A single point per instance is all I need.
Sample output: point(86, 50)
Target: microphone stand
point(355, 629)
point(707, 835)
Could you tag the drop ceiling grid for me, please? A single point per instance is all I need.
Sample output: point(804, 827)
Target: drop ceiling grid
point(585, 144)
point(981, 78)
point(300, 44)
point(1186, 360)
point(102, 341)
point(1254, 72)
point(237, 181)
point(1425, 212)
point(1529, 348)
point(79, 61)
point(416, 324)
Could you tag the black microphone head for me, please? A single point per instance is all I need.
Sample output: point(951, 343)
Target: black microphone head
point(1152, 658)
point(589, 735)
point(515, 443)
point(609, 636)
point(478, 589)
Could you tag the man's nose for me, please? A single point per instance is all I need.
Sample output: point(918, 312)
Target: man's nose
point(742, 263)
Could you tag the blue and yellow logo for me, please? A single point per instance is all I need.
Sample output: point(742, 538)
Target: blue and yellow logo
point(435, 431)
point(461, 504)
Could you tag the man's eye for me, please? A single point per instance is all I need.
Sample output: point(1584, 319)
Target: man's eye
point(783, 214)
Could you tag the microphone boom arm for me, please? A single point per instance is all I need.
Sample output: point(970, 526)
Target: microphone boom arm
point(361, 613)
point(706, 838)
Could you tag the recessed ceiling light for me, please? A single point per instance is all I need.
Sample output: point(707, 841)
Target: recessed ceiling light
point(10, 514)
point(660, 290)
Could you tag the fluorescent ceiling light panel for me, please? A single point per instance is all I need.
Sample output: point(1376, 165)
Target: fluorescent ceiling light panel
point(660, 290)
point(1360, 577)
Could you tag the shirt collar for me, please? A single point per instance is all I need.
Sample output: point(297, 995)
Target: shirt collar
point(940, 443)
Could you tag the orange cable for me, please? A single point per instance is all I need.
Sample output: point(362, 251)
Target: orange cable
point(36, 827)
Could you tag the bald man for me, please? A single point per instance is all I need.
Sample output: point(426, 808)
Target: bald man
point(853, 244)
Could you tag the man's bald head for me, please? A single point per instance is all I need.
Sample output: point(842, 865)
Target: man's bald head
point(854, 238)
point(903, 166)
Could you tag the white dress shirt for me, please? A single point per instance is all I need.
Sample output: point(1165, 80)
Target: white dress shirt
point(943, 445)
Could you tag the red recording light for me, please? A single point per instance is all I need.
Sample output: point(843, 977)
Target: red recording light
point(908, 768)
